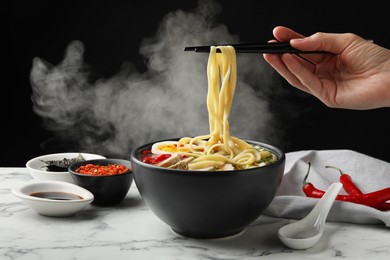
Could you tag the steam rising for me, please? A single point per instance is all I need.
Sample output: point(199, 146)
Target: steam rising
point(112, 116)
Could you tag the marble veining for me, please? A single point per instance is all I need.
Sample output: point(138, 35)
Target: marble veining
point(131, 231)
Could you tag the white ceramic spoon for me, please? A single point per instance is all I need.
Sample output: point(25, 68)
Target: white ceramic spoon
point(307, 232)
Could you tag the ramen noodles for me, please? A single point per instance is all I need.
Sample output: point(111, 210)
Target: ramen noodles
point(217, 150)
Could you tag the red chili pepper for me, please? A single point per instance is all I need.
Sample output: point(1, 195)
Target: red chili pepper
point(148, 159)
point(369, 199)
point(153, 159)
point(308, 188)
point(352, 189)
point(384, 206)
point(346, 180)
point(161, 157)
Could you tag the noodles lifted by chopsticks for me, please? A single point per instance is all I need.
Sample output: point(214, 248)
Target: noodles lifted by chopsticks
point(219, 150)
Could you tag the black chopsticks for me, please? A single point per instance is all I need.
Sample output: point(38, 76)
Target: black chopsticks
point(269, 47)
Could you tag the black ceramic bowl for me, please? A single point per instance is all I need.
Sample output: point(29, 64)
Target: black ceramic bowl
point(108, 189)
point(203, 204)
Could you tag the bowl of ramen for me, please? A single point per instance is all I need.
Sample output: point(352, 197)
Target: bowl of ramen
point(109, 180)
point(212, 185)
point(55, 166)
point(209, 202)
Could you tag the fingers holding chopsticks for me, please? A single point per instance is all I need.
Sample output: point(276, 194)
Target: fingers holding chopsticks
point(298, 69)
point(297, 41)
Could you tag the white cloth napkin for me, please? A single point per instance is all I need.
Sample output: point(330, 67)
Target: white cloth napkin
point(368, 173)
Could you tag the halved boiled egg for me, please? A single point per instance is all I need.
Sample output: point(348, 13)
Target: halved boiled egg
point(167, 147)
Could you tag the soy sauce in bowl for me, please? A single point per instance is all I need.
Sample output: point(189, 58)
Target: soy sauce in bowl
point(56, 195)
point(53, 198)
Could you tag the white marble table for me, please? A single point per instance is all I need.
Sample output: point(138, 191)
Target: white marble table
point(131, 231)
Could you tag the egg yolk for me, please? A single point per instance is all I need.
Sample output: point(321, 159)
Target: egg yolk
point(171, 148)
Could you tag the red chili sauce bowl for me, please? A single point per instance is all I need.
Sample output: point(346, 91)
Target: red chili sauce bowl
point(109, 180)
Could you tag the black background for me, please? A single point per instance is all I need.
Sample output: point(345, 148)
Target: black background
point(45, 28)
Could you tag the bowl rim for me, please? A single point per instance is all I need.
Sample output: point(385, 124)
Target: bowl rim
point(114, 160)
point(18, 191)
point(29, 162)
point(281, 159)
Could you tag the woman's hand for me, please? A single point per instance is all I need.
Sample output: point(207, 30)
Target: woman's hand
point(355, 74)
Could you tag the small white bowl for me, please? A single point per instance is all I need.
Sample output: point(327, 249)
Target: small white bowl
point(54, 207)
point(36, 166)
